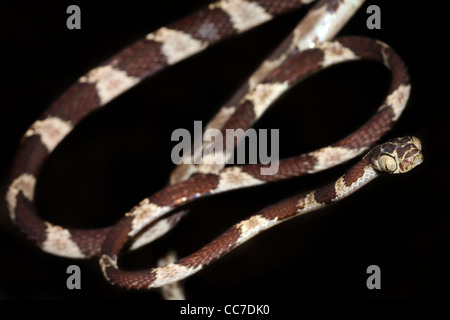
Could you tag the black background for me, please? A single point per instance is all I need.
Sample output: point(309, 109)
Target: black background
point(121, 154)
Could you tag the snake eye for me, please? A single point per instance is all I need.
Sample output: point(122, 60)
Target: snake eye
point(387, 163)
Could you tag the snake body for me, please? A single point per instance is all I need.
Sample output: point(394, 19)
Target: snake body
point(304, 52)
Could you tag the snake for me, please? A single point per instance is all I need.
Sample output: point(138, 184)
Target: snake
point(310, 48)
point(398, 155)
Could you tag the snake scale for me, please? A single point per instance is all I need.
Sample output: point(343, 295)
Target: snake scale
point(311, 47)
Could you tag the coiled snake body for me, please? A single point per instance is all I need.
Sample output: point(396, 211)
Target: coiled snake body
point(307, 50)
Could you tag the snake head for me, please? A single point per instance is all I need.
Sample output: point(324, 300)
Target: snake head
point(398, 155)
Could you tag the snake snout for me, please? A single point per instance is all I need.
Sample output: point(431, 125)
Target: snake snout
point(418, 159)
point(410, 155)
